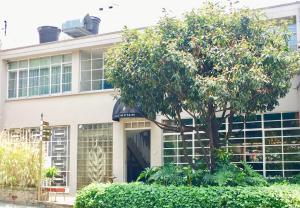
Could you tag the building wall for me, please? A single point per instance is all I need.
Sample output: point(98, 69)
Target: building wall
point(95, 107)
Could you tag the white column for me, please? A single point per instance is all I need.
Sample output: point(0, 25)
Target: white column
point(119, 152)
point(156, 146)
point(73, 134)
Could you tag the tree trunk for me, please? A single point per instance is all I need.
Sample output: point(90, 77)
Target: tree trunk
point(213, 135)
point(198, 137)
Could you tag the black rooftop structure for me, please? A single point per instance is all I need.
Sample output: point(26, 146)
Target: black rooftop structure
point(123, 111)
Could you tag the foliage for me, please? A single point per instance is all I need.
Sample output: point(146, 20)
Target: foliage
point(295, 179)
point(169, 174)
point(208, 63)
point(19, 164)
point(226, 174)
point(284, 181)
point(51, 172)
point(148, 196)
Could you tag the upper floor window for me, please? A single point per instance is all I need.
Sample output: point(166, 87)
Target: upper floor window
point(292, 42)
point(40, 76)
point(92, 71)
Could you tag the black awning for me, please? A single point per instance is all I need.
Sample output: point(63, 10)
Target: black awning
point(123, 111)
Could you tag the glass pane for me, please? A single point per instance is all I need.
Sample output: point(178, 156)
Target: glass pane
point(66, 78)
point(97, 74)
point(34, 62)
point(13, 65)
point(170, 138)
point(67, 57)
point(272, 124)
point(12, 84)
point(273, 133)
point(86, 76)
point(85, 55)
point(97, 64)
point(55, 79)
point(97, 53)
point(23, 76)
point(291, 123)
point(290, 115)
point(273, 141)
point(33, 82)
point(274, 166)
point(274, 157)
point(97, 85)
point(85, 86)
point(45, 61)
point(44, 81)
point(170, 144)
point(23, 64)
point(272, 116)
point(274, 173)
point(292, 148)
point(253, 125)
point(291, 157)
point(273, 149)
point(291, 140)
point(56, 59)
point(85, 65)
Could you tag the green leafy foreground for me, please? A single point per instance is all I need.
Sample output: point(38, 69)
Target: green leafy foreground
point(150, 196)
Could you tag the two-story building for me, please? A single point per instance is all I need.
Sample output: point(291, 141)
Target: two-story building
point(65, 81)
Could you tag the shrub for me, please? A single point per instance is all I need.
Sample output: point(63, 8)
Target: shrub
point(227, 174)
point(19, 164)
point(136, 195)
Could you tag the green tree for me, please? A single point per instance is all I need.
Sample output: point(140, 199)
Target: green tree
point(211, 65)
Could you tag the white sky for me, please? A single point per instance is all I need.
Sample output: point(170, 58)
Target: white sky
point(24, 16)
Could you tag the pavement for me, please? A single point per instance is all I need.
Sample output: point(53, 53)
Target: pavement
point(6, 205)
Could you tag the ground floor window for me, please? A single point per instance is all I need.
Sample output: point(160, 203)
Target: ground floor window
point(57, 149)
point(94, 159)
point(269, 142)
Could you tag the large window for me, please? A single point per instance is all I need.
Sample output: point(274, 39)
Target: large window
point(57, 149)
point(92, 71)
point(269, 142)
point(40, 76)
point(94, 155)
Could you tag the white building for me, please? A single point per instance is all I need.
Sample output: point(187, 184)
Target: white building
point(65, 81)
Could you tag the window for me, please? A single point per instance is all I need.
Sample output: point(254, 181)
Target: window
point(92, 71)
point(292, 42)
point(94, 159)
point(270, 143)
point(40, 76)
point(12, 84)
point(57, 150)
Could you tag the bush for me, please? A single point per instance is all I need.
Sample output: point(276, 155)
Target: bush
point(19, 164)
point(227, 174)
point(136, 195)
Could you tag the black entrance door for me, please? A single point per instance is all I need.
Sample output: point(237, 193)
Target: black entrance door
point(138, 153)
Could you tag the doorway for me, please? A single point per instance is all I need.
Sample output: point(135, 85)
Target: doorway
point(138, 152)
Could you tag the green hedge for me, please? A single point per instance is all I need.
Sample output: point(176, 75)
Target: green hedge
point(137, 195)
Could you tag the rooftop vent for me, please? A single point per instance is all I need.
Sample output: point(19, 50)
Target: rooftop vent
point(48, 33)
point(89, 25)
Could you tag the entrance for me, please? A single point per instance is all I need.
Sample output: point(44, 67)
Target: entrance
point(138, 152)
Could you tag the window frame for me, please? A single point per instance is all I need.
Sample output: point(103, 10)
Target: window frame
point(28, 68)
point(91, 59)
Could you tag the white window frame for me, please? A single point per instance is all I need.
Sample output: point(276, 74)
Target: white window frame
point(28, 69)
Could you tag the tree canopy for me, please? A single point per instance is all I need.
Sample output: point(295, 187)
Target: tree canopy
point(210, 64)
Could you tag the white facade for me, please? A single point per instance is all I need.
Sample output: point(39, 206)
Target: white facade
point(76, 107)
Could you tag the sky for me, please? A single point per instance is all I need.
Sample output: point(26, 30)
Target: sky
point(25, 16)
